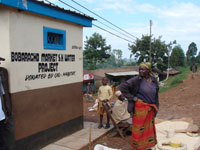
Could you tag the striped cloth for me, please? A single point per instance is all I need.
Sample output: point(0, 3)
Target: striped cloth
point(143, 127)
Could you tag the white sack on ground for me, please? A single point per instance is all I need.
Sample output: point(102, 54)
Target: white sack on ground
point(164, 126)
point(102, 147)
point(197, 145)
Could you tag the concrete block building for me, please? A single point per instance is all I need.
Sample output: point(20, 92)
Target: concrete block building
point(42, 45)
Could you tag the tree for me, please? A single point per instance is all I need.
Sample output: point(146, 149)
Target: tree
point(177, 57)
point(118, 56)
point(198, 58)
point(191, 52)
point(95, 51)
point(108, 63)
point(169, 47)
point(159, 51)
point(115, 60)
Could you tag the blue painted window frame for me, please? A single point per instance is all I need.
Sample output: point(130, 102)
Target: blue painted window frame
point(47, 30)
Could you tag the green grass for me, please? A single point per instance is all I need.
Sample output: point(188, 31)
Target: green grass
point(177, 79)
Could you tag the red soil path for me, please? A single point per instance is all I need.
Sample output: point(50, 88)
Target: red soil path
point(178, 102)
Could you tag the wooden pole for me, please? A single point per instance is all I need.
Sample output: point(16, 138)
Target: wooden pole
point(108, 111)
point(90, 137)
point(150, 59)
point(107, 108)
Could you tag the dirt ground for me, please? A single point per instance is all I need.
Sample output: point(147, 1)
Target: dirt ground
point(181, 101)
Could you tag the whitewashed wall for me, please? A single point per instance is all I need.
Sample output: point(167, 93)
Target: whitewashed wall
point(26, 35)
point(4, 35)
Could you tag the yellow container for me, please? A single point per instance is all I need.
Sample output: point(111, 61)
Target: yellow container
point(175, 145)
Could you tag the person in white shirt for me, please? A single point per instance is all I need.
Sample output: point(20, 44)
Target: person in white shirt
point(120, 113)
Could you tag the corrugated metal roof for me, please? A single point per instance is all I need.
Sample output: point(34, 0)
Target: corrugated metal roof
point(128, 73)
point(48, 9)
point(63, 9)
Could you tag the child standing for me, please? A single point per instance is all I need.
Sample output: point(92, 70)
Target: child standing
point(104, 95)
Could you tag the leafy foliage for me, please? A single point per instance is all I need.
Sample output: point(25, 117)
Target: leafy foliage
point(159, 51)
point(175, 80)
point(96, 51)
point(115, 60)
point(118, 57)
point(177, 57)
point(198, 58)
point(191, 52)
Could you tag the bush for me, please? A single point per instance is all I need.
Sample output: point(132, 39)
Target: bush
point(176, 81)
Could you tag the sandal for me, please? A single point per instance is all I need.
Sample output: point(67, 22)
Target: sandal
point(107, 126)
point(100, 126)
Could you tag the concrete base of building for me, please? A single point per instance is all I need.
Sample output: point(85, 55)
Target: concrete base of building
point(43, 138)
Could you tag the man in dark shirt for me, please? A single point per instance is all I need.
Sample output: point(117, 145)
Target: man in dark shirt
point(193, 68)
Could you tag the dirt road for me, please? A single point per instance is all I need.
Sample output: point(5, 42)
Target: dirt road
point(181, 101)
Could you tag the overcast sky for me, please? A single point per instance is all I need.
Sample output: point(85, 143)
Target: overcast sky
point(172, 19)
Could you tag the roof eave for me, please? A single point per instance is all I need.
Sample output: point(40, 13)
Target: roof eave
point(49, 10)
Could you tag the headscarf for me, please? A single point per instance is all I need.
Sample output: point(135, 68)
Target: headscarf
point(147, 65)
